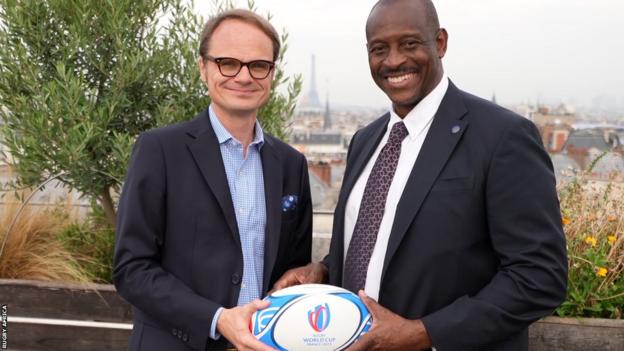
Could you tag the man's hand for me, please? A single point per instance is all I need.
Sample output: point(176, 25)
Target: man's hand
point(312, 273)
point(233, 324)
point(391, 331)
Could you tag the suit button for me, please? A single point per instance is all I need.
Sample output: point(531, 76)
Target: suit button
point(185, 337)
point(179, 334)
point(174, 331)
point(235, 279)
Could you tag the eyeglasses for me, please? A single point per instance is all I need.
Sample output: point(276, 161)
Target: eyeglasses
point(230, 67)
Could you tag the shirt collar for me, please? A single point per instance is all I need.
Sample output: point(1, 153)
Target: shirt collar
point(223, 136)
point(422, 114)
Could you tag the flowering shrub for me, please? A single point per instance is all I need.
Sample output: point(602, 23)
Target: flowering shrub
point(594, 225)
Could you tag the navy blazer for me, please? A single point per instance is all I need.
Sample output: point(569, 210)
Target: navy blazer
point(178, 255)
point(477, 249)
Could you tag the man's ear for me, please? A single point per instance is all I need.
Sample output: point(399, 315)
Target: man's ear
point(441, 42)
point(201, 65)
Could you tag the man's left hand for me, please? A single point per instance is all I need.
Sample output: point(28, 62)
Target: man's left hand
point(312, 273)
point(391, 331)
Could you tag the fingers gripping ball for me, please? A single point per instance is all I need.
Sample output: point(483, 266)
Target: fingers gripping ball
point(311, 317)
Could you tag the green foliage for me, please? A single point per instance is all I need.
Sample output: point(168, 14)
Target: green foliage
point(592, 217)
point(91, 243)
point(80, 79)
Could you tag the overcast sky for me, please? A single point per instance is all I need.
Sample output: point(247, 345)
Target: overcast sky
point(521, 50)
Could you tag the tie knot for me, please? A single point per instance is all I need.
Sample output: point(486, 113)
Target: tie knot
point(398, 133)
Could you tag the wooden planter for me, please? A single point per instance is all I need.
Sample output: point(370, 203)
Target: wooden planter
point(577, 334)
point(65, 316)
point(61, 316)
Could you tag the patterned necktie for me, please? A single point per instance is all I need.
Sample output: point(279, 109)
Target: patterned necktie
point(372, 210)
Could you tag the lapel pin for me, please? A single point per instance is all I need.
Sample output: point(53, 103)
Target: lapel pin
point(455, 129)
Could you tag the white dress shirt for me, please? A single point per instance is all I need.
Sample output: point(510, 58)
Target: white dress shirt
point(417, 121)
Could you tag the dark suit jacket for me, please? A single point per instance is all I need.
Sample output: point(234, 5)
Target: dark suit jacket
point(178, 255)
point(477, 248)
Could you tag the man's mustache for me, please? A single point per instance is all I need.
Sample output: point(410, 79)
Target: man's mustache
point(398, 71)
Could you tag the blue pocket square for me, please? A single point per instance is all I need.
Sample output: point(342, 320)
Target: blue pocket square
point(289, 203)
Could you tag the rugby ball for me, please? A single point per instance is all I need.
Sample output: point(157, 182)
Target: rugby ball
point(311, 317)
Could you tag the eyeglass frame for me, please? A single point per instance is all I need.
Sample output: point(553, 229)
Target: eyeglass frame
point(217, 61)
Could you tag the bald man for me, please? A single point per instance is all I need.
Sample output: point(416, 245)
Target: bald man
point(448, 222)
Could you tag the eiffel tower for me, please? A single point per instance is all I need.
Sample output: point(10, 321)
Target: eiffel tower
point(311, 99)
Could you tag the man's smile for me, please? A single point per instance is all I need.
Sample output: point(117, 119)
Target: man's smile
point(402, 79)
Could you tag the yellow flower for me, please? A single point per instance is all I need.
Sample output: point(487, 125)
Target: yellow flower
point(591, 240)
point(601, 272)
point(611, 239)
point(565, 221)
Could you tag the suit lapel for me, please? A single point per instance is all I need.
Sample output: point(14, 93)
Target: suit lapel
point(206, 151)
point(370, 140)
point(273, 179)
point(438, 146)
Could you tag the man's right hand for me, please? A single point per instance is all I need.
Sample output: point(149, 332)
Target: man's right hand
point(313, 273)
point(233, 324)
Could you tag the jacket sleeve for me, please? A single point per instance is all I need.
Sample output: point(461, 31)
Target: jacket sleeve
point(137, 273)
point(526, 232)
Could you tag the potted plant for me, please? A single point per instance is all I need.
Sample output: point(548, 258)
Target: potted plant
point(591, 316)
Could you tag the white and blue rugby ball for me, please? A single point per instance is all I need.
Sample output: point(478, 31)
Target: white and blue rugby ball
point(311, 317)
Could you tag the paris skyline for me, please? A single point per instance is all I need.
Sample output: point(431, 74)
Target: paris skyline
point(523, 51)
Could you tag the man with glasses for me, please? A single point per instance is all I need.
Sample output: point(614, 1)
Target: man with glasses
point(213, 210)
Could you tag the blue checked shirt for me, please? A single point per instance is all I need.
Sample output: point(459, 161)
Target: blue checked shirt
point(246, 183)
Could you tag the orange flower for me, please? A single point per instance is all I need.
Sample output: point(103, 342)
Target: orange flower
point(601, 272)
point(565, 221)
point(612, 218)
point(611, 239)
point(591, 240)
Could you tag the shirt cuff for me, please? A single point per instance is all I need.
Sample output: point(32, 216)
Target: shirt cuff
point(214, 335)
